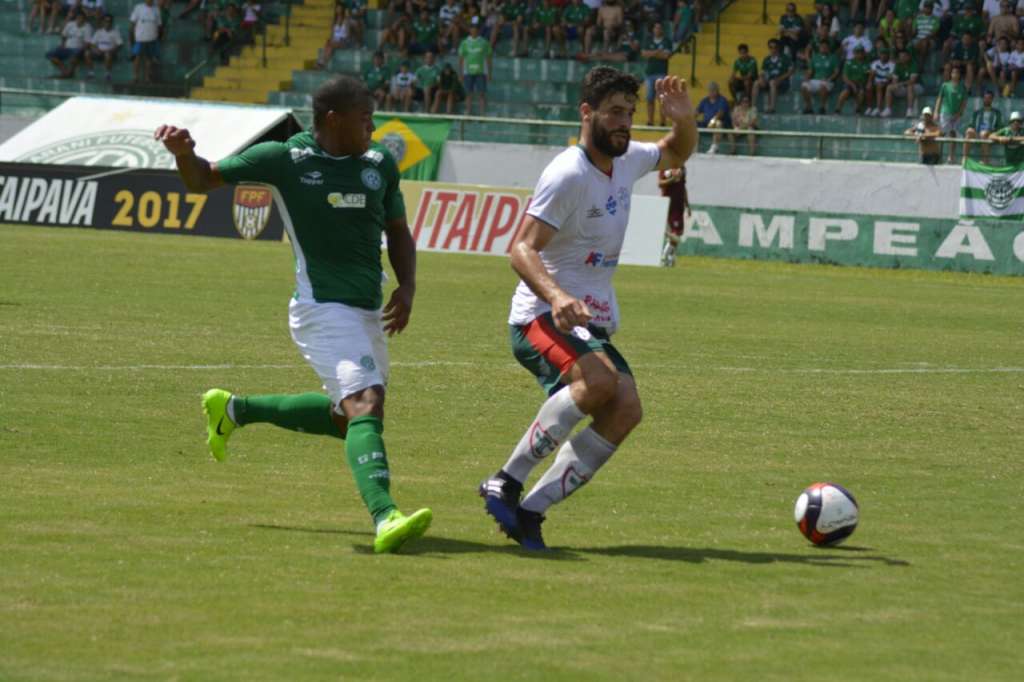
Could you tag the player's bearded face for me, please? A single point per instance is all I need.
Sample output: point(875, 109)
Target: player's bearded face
point(610, 125)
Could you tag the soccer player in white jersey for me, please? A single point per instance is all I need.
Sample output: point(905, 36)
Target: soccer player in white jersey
point(564, 309)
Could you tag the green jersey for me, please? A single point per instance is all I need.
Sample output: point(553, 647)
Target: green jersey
point(789, 23)
point(376, 76)
point(963, 53)
point(425, 32)
point(657, 66)
point(925, 26)
point(515, 10)
point(745, 66)
point(903, 72)
point(906, 9)
point(953, 95)
point(338, 208)
point(475, 51)
point(1014, 150)
point(546, 16)
point(823, 66)
point(974, 25)
point(987, 120)
point(857, 71)
point(576, 15)
point(775, 66)
point(426, 76)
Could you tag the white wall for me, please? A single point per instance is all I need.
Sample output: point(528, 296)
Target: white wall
point(743, 182)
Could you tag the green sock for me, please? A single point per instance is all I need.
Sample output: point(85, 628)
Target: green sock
point(365, 451)
point(305, 412)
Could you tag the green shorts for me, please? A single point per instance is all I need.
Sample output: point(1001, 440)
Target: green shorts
point(549, 354)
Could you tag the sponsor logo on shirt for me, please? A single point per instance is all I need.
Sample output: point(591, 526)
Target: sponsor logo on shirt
point(348, 200)
point(372, 179)
point(594, 212)
point(312, 178)
point(373, 156)
point(599, 260)
point(300, 154)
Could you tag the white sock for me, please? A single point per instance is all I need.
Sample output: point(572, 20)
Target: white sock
point(230, 409)
point(555, 421)
point(576, 463)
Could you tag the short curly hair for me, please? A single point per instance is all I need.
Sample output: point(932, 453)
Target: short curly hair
point(604, 81)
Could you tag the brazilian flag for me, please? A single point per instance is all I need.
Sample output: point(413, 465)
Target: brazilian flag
point(416, 144)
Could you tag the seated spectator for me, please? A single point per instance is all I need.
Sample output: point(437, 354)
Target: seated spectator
point(856, 39)
point(104, 44)
point(357, 20)
point(776, 70)
point(251, 14)
point(999, 65)
point(40, 9)
point(627, 49)
point(878, 81)
point(657, 52)
point(926, 30)
point(744, 73)
point(58, 9)
point(225, 32)
point(1005, 25)
point(926, 132)
point(968, 22)
point(610, 21)
point(713, 112)
point(966, 56)
point(990, 9)
point(545, 20)
point(576, 21)
point(889, 26)
point(145, 34)
point(1013, 138)
point(448, 20)
point(684, 23)
point(985, 122)
point(401, 89)
point(821, 76)
point(904, 84)
point(378, 78)
point(515, 19)
point(828, 19)
point(651, 11)
point(950, 103)
point(397, 33)
point(855, 81)
point(449, 88)
point(339, 38)
point(869, 10)
point(821, 35)
point(425, 34)
point(744, 117)
point(792, 34)
point(426, 80)
point(1016, 66)
point(92, 9)
point(74, 37)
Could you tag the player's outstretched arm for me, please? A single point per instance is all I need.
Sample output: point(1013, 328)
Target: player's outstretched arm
point(198, 174)
point(677, 146)
point(567, 311)
point(402, 255)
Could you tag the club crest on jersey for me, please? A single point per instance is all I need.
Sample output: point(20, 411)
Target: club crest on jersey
point(251, 209)
point(594, 212)
point(611, 205)
point(312, 178)
point(372, 179)
point(347, 200)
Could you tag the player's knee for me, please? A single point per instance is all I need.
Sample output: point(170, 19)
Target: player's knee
point(629, 411)
point(366, 402)
point(599, 385)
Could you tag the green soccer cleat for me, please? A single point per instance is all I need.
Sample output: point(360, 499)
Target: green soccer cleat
point(218, 424)
point(399, 529)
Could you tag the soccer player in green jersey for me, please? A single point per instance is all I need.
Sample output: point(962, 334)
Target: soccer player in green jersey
point(340, 194)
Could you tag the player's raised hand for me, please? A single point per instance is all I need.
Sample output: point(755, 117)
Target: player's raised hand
point(674, 96)
point(177, 140)
point(397, 311)
point(569, 312)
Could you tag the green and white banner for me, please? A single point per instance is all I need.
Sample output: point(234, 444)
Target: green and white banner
point(992, 191)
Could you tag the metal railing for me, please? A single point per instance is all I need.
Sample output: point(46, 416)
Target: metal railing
point(719, 10)
point(764, 11)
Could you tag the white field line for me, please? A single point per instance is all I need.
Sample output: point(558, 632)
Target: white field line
point(454, 363)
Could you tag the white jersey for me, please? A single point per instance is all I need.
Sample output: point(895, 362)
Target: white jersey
point(590, 211)
point(883, 70)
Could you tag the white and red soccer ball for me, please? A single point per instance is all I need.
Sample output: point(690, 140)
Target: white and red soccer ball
point(826, 513)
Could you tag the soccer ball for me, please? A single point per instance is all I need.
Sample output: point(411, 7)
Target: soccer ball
point(826, 513)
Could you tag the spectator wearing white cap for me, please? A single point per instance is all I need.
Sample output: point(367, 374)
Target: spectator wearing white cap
point(1013, 137)
point(927, 132)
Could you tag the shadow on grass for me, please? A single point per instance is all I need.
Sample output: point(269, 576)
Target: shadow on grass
point(846, 557)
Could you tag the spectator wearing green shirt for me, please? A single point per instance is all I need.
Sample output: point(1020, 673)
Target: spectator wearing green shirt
point(855, 80)
point(683, 24)
point(576, 21)
point(657, 52)
point(950, 105)
point(965, 56)
point(449, 89)
point(744, 73)
point(792, 31)
point(1013, 138)
point(968, 22)
point(426, 80)
point(475, 60)
point(821, 76)
point(514, 19)
point(984, 123)
point(926, 30)
point(904, 83)
point(425, 34)
point(545, 19)
point(377, 77)
point(776, 70)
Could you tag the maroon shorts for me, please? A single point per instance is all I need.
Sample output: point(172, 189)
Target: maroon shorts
point(675, 222)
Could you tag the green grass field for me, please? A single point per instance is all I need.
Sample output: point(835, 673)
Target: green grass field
point(127, 552)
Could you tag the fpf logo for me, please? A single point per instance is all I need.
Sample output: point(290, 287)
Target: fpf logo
point(599, 260)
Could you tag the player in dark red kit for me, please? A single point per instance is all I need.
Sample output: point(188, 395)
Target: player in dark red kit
point(672, 182)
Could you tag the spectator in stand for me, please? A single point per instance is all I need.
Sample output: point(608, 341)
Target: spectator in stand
point(904, 84)
point(821, 76)
point(792, 32)
point(74, 38)
point(1013, 138)
point(856, 39)
point(990, 9)
point(965, 56)
point(776, 70)
point(855, 81)
point(610, 21)
point(40, 9)
point(1016, 66)
point(165, 16)
point(713, 112)
point(92, 9)
point(426, 80)
point(878, 81)
point(545, 19)
point(449, 88)
point(950, 103)
point(490, 10)
point(683, 25)
point(475, 62)
point(657, 52)
point(357, 20)
point(672, 182)
point(377, 78)
point(744, 117)
point(145, 35)
point(340, 37)
point(450, 30)
point(927, 132)
point(104, 44)
point(251, 14)
point(1005, 25)
point(576, 21)
point(968, 22)
point(869, 10)
point(984, 123)
point(397, 33)
point(999, 66)
point(889, 26)
point(425, 34)
point(516, 17)
point(58, 9)
point(744, 73)
point(827, 18)
point(225, 32)
point(401, 89)
point(821, 35)
point(926, 30)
